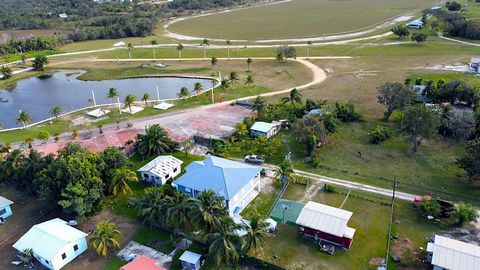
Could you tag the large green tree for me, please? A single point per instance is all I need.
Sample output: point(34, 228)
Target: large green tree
point(179, 209)
point(224, 244)
point(209, 211)
point(470, 160)
point(154, 141)
point(395, 96)
point(39, 62)
point(420, 122)
point(256, 233)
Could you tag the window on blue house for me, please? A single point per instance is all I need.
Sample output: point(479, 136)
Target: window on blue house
point(64, 256)
point(75, 248)
point(3, 211)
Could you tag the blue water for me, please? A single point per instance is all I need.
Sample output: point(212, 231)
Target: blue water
point(37, 96)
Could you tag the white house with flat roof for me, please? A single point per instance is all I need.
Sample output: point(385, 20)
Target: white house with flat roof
point(5, 208)
point(263, 129)
point(450, 254)
point(158, 171)
point(54, 243)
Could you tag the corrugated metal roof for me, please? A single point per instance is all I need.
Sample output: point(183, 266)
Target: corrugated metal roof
point(49, 238)
point(190, 257)
point(4, 201)
point(161, 165)
point(455, 255)
point(262, 126)
point(225, 177)
point(324, 218)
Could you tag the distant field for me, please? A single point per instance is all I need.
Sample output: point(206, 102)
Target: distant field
point(294, 19)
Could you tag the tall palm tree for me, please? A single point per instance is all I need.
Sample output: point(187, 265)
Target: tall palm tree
point(120, 180)
point(129, 101)
point(55, 111)
point(249, 81)
point(198, 87)
point(6, 72)
point(145, 98)
point(205, 43)
point(256, 233)
point(225, 245)
point(309, 43)
point(224, 84)
point(39, 62)
point(154, 42)
point(279, 58)
point(284, 171)
point(249, 61)
point(228, 42)
point(155, 141)
point(106, 236)
point(24, 118)
point(214, 62)
point(129, 48)
point(233, 76)
point(209, 211)
point(112, 94)
point(179, 208)
point(179, 49)
point(294, 97)
point(184, 93)
point(259, 105)
point(150, 206)
point(11, 164)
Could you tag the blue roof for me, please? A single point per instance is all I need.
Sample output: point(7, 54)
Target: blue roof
point(225, 177)
point(190, 257)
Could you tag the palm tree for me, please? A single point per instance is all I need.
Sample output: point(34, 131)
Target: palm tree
point(228, 49)
point(259, 105)
point(284, 171)
point(224, 84)
point(184, 93)
point(154, 42)
point(55, 111)
point(256, 233)
point(249, 80)
point(198, 87)
point(145, 98)
point(6, 72)
point(120, 180)
point(204, 43)
point(279, 58)
point(112, 94)
point(100, 128)
point(233, 76)
point(106, 236)
point(309, 43)
point(24, 118)
point(129, 101)
point(209, 211)
point(151, 205)
point(29, 141)
point(225, 244)
point(179, 208)
point(214, 62)
point(75, 134)
point(294, 97)
point(39, 62)
point(154, 142)
point(11, 164)
point(179, 49)
point(129, 48)
point(249, 61)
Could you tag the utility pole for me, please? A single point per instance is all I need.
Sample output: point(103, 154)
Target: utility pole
point(391, 221)
point(213, 86)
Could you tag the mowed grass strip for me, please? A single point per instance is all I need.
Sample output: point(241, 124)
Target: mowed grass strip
point(295, 19)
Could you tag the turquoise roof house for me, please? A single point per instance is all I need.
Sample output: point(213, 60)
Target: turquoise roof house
point(5, 208)
point(238, 183)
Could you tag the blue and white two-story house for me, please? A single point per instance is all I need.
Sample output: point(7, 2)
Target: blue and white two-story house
point(238, 183)
point(5, 208)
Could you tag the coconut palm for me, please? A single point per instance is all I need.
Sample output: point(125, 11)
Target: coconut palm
point(112, 94)
point(120, 180)
point(39, 62)
point(284, 171)
point(75, 134)
point(55, 111)
point(150, 206)
point(225, 244)
point(249, 61)
point(105, 236)
point(100, 128)
point(6, 72)
point(129, 101)
point(233, 76)
point(259, 105)
point(154, 42)
point(184, 93)
point(179, 49)
point(29, 141)
point(154, 142)
point(228, 42)
point(205, 43)
point(209, 211)
point(129, 48)
point(11, 164)
point(279, 58)
point(24, 118)
point(179, 208)
point(224, 84)
point(198, 87)
point(249, 80)
point(145, 98)
point(256, 233)
point(214, 62)
point(294, 97)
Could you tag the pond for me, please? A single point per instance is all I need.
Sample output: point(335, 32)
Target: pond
point(37, 96)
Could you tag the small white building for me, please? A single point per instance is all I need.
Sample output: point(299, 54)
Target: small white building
point(450, 254)
point(54, 243)
point(416, 24)
point(474, 64)
point(62, 15)
point(158, 171)
point(263, 129)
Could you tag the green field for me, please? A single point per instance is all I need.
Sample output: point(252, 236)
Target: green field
point(295, 19)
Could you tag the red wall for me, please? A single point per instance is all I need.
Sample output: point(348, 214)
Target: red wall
point(342, 241)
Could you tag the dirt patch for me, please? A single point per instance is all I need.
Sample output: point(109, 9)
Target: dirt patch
point(376, 261)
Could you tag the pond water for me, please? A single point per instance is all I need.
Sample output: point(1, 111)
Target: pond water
point(37, 96)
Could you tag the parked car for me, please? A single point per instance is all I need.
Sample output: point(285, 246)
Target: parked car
point(254, 159)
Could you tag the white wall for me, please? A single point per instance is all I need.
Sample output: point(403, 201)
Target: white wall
point(57, 262)
point(245, 195)
point(161, 181)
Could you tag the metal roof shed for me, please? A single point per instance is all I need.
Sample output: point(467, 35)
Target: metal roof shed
point(190, 260)
point(455, 255)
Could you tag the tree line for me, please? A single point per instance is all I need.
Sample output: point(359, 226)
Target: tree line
point(455, 23)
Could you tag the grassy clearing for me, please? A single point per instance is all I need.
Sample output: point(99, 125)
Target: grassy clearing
point(261, 204)
point(148, 234)
point(298, 18)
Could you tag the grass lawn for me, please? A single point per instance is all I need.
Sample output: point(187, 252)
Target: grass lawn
point(148, 234)
point(298, 18)
point(114, 264)
point(261, 204)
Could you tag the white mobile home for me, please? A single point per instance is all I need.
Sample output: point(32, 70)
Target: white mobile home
point(416, 24)
point(158, 171)
point(54, 243)
point(450, 254)
point(263, 129)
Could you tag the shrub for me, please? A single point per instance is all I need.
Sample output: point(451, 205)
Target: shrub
point(346, 112)
point(379, 134)
point(301, 180)
point(330, 188)
point(465, 213)
point(430, 208)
